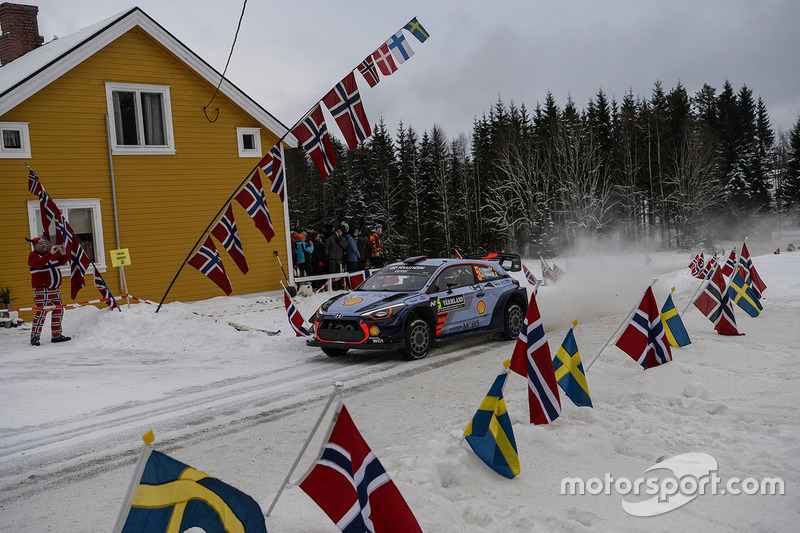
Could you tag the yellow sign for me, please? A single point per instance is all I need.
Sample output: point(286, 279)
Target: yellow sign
point(120, 257)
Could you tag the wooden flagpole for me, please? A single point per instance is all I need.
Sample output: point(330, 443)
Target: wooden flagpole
point(627, 317)
point(337, 387)
point(133, 486)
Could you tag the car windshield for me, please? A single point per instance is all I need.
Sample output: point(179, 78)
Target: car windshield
point(399, 278)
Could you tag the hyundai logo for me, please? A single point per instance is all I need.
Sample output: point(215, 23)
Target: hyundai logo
point(338, 315)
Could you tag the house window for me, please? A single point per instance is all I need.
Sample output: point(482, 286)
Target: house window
point(141, 119)
point(249, 140)
point(85, 218)
point(15, 141)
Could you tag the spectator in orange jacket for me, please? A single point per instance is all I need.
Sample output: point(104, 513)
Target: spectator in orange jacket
point(44, 261)
point(377, 254)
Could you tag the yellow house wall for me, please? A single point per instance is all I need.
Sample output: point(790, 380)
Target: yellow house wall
point(164, 202)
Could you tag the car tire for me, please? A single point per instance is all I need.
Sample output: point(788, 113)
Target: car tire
point(418, 339)
point(512, 321)
point(335, 352)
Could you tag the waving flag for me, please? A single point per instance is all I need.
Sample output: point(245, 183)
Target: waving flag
point(313, 135)
point(730, 264)
point(694, 266)
point(531, 358)
point(272, 165)
point(295, 318)
point(368, 69)
point(644, 339)
point(711, 266)
point(349, 483)
point(105, 292)
point(344, 103)
point(458, 255)
point(357, 278)
point(750, 275)
point(173, 496)
point(416, 29)
point(400, 47)
point(383, 58)
point(777, 251)
point(227, 234)
point(744, 296)
point(530, 277)
point(207, 261)
point(673, 325)
point(548, 274)
point(490, 434)
point(569, 372)
point(254, 201)
point(65, 236)
point(715, 303)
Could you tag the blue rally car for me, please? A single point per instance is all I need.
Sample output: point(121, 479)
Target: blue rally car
point(406, 306)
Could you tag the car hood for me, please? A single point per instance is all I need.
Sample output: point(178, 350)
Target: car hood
point(357, 302)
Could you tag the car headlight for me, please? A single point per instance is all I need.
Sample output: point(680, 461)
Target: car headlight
point(383, 313)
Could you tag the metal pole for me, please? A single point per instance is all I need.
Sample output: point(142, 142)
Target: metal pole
point(337, 387)
point(121, 269)
point(627, 317)
point(702, 285)
point(133, 486)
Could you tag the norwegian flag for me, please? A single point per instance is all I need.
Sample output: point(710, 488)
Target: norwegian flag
point(79, 264)
point(777, 251)
point(206, 259)
point(529, 276)
point(383, 58)
point(694, 266)
point(750, 275)
point(350, 484)
point(716, 304)
point(272, 165)
point(400, 47)
point(295, 318)
point(313, 135)
point(531, 358)
point(644, 338)
point(105, 292)
point(557, 271)
point(368, 69)
point(357, 278)
point(458, 255)
point(253, 199)
point(701, 261)
point(34, 185)
point(709, 269)
point(730, 264)
point(344, 103)
point(227, 234)
point(548, 274)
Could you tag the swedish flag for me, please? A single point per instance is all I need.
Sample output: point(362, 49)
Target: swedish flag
point(673, 325)
point(490, 435)
point(174, 497)
point(416, 29)
point(743, 295)
point(569, 372)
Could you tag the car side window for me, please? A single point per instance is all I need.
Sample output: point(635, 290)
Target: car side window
point(486, 273)
point(454, 277)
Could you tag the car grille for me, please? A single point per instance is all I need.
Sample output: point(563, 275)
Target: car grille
point(340, 330)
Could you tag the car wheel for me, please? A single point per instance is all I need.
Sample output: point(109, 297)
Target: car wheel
point(334, 352)
point(513, 321)
point(418, 339)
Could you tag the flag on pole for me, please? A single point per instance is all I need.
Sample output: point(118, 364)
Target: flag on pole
point(227, 234)
point(252, 198)
point(416, 29)
point(711, 266)
point(357, 278)
point(530, 277)
point(694, 266)
point(351, 486)
point(490, 434)
point(105, 292)
point(272, 165)
point(673, 325)
point(715, 303)
point(313, 135)
point(400, 47)
point(296, 320)
point(569, 372)
point(742, 295)
point(644, 339)
point(458, 255)
point(777, 251)
point(173, 496)
point(344, 103)
point(206, 260)
point(531, 358)
point(751, 276)
point(730, 264)
point(548, 274)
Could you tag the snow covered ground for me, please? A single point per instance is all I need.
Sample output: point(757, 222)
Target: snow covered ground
point(238, 405)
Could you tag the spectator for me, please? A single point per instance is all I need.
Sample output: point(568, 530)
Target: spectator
point(44, 261)
point(335, 247)
point(378, 254)
point(363, 249)
point(301, 250)
point(352, 255)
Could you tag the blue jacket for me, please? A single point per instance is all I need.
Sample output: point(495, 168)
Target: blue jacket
point(352, 249)
point(301, 248)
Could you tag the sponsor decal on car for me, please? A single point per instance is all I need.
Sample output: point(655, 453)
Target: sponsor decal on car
point(353, 301)
point(480, 307)
point(450, 303)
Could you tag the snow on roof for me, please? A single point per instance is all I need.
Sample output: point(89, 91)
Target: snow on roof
point(29, 73)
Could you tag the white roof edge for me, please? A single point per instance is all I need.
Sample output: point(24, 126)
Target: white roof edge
point(97, 41)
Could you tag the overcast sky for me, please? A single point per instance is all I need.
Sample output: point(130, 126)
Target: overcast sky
point(289, 54)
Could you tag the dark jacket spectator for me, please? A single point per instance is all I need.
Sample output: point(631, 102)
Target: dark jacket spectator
point(335, 247)
point(352, 255)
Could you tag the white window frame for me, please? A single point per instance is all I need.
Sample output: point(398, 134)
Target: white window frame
point(256, 150)
point(25, 141)
point(65, 206)
point(141, 149)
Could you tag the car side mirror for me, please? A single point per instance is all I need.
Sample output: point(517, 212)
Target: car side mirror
point(450, 287)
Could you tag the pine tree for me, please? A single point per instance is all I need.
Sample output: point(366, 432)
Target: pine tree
point(792, 187)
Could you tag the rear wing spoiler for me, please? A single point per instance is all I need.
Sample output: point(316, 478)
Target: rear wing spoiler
point(510, 262)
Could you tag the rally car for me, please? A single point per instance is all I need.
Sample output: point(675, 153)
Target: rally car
point(406, 306)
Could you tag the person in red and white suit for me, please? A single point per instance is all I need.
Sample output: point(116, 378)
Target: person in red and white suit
point(44, 261)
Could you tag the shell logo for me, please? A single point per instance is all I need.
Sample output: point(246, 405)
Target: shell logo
point(353, 301)
point(374, 330)
point(481, 307)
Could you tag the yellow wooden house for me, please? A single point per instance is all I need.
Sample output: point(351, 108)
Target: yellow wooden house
point(111, 118)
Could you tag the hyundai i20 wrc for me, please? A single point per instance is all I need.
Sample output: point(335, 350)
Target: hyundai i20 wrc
point(409, 305)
